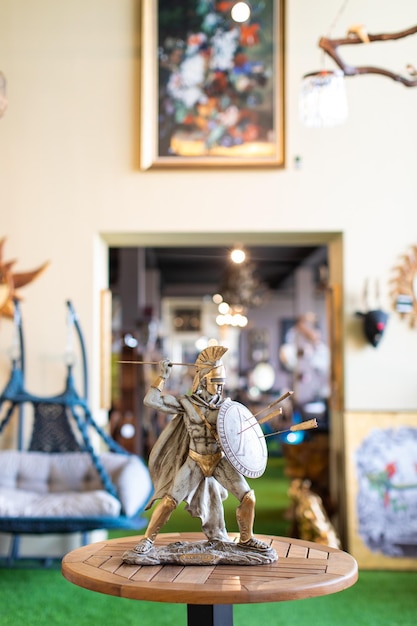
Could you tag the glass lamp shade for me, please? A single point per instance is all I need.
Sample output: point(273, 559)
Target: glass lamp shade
point(323, 100)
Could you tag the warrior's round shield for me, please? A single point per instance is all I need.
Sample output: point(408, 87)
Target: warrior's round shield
point(242, 439)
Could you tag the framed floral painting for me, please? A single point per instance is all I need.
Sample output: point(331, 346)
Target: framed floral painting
point(212, 83)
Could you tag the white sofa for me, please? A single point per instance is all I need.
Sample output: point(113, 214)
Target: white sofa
point(67, 485)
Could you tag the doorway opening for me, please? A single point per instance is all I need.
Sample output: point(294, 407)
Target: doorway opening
point(162, 288)
point(162, 304)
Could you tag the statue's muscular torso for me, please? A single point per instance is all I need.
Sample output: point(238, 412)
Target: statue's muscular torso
point(201, 438)
point(202, 441)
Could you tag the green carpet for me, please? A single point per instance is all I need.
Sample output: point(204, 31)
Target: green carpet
point(35, 597)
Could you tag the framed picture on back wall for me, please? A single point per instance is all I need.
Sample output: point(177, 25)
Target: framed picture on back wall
point(212, 84)
point(381, 480)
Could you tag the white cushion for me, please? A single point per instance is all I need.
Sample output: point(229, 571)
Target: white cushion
point(20, 503)
point(132, 480)
point(68, 484)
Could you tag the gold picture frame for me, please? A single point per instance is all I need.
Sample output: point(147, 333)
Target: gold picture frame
point(212, 88)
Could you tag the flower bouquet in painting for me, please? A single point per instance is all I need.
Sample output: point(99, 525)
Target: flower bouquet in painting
point(218, 82)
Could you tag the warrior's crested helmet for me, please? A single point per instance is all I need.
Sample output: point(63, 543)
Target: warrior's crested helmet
point(207, 360)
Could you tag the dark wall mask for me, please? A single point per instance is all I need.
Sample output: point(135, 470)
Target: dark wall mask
point(374, 324)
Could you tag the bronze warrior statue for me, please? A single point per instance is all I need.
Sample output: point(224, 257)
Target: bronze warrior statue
point(187, 462)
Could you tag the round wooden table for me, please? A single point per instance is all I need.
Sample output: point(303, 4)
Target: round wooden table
point(303, 570)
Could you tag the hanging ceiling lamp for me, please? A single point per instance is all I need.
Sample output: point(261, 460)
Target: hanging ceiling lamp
point(322, 98)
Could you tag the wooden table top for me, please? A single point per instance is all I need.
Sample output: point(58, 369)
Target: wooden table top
point(303, 570)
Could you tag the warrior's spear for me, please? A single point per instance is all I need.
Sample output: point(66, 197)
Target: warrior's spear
point(261, 421)
point(280, 399)
point(271, 415)
point(154, 363)
point(307, 425)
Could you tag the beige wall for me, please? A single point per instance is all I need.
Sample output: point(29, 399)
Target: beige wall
point(69, 178)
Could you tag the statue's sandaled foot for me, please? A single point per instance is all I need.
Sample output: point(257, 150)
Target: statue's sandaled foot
point(144, 546)
point(254, 544)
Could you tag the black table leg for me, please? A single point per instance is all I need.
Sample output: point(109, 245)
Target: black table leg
point(210, 614)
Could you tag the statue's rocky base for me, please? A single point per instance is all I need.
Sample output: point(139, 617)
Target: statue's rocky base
point(202, 553)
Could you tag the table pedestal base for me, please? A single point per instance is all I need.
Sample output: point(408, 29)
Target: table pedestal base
point(210, 614)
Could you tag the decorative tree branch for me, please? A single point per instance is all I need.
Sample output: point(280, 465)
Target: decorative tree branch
point(330, 46)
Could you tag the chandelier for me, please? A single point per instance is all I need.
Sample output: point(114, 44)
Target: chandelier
point(241, 289)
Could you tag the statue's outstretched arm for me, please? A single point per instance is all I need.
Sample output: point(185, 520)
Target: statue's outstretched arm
point(154, 398)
